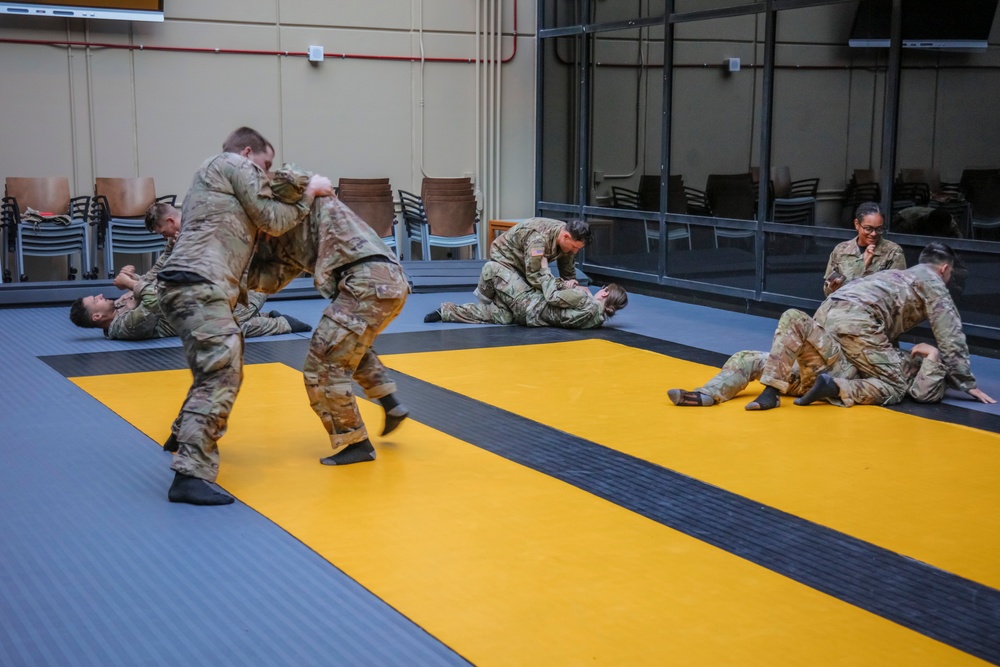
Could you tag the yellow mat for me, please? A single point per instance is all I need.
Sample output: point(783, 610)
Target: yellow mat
point(503, 564)
point(919, 487)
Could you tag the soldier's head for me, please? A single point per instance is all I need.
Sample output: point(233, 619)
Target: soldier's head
point(252, 145)
point(869, 222)
point(163, 219)
point(614, 297)
point(940, 257)
point(92, 312)
point(574, 236)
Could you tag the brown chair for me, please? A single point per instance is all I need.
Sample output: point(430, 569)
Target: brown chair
point(58, 225)
point(371, 199)
point(446, 219)
point(121, 205)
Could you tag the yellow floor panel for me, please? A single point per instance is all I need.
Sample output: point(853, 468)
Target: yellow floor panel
point(506, 565)
point(918, 487)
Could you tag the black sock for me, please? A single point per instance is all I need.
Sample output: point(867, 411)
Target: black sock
point(171, 444)
point(298, 326)
point(358, 452)
point(824, 388)
point(433, 316)
point(388, 402)
point(195, 491)
point(767, 400)
point(395, 413)
point(274, 313)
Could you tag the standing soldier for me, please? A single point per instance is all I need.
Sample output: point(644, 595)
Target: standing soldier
point(515, 302)
point(354, 268)
point(199, 287)
point(864, 255)
point(531, 245)
point(859, 325)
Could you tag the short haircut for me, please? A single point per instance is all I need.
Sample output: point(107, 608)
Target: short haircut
point(155, 214)
point(80, 316)
point(865, 209)
point(936, 254)
point(243, 137)
point(579, 230)
point(617, 299)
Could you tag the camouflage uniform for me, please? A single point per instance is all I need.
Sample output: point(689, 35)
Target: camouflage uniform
point(859, 326)
point(528, 247)
point(354, 268)
point(848, 259)
point(199, 286)
point(516, 302)
point(927, 376)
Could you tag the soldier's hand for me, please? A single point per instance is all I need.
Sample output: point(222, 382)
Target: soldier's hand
point(869, 254)
point(570, 283)
point(981, 396)
point(925, 350)
point(319, 186)
point(834, 281)
point(128, 270)
point(124, 281)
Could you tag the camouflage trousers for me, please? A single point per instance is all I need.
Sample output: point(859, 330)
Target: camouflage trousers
point(253, 323)
point(213, 344)
point(739, 371)
point(370, 295)
point(883, 377)
point(821, 345)
point(506, 290)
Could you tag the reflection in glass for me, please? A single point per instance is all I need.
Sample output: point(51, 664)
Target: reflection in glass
point(560, 119)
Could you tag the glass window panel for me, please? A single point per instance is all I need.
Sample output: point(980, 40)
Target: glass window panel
point(713, 112)
point(605, 11)
point(702, 5)
point(794, 265)
point(626, 119)
point(560, 157)
point(624, 243)
point(948, 150)
point(719, 255)
point(562, 13)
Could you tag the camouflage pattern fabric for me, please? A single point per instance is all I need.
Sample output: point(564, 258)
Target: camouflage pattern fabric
point(228, 203)
point(516, 302)
point(351, 265)
point(370, 295)
point(213, 346)
point(847, 259)
point(528, 247)
point(802, 349)
point(927, 377)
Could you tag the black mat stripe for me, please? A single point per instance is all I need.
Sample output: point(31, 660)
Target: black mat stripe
point(956, 611)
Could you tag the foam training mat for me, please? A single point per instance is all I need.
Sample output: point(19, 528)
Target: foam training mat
point(511, 563)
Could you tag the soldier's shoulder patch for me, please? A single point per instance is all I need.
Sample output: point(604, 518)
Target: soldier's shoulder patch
point(537, 252)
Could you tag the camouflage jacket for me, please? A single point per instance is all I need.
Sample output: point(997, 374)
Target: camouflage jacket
point(847, 259)
point(572, 308)
point(149, 277)
point(524, 246)
point(229, 201)
point(901, 299)
point(332, 237)
point(139, 317)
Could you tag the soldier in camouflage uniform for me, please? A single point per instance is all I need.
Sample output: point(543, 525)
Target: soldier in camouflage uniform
point(864, 255)
point(200, 284)
point(859, 326)
point(515, 302)
point(923, 366)
point(367, 287)
point(531, 245)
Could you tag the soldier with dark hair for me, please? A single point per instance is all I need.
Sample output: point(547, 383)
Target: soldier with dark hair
point(515, 302)
point(859, 326)
point(228, 204)
point(865, 254)
point(530, 246)
point(367, 288)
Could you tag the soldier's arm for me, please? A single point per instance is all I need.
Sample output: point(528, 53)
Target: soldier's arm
point(138, 323)
point(149, 277)
point(270, 215)
point(929, 383)
point(897, 260)
point(832, 278)
point(536, 267)
point(947, 327)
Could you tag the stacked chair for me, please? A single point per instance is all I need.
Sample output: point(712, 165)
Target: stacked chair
point(56, 226)
point(371, 199)
point(444, 215)
point(120, 217)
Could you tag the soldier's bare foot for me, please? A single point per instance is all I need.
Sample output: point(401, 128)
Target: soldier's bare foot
point(824, 388)
point(358, 452)
point(685, 398)
point(195, 491)
point(767, 400)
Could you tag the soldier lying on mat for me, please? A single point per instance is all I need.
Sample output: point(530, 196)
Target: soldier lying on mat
point(928, 378)
point(136, 314)
point(506, 298)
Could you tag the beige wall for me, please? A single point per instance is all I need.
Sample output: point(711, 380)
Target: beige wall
point(113, 112)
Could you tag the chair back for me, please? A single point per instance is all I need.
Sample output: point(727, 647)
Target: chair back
point(731, 195)
point(451, 218)
point(126, 197)
point(794, 210)
point(47, 195)
point(379, 214)
point(624, 198)
point(676, 198)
